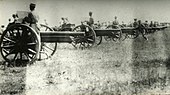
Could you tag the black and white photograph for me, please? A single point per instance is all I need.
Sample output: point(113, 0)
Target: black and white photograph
point(84, 47)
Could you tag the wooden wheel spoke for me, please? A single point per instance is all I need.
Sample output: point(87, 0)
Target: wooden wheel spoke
point(48, 47)
point(44, 49)
point(91, 40)
point(18, 33)
point(5, 51)
point(20, 55)
point(86, 44)
point(10, 52)
point(8, 39)
point(47, 53)
point(29, 37)
point(8, 46)
point(30, 44)
point(28, 57)
point(31, 51)
point(15, 56)
point(11, 32)
point(80, 45)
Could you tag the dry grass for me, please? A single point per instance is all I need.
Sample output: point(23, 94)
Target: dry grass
point(113, 68)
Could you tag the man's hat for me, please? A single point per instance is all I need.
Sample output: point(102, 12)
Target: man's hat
point(90, 13)
point(32, 5)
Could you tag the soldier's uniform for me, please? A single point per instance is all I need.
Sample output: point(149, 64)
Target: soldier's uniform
point(135, 24)
point(91, 20)
point(115, 23)
point(141, 28)
point(32, 18)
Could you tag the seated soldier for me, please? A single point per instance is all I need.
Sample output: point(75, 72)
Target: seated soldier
point(115, 23)
point(98, 24)
point(146, 24)
point(135, 23)
point(155, 24)
point(63, 24)
point(151, 24)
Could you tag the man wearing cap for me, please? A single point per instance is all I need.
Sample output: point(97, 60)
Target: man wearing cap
point(33, 17)
point(135, 23)
point(115, 22)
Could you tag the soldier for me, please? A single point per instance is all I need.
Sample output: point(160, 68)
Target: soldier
point(14, 18)
point(141, 28)
point(151, 24)
point(155, 24)
point(135, 23)
point(123, 24)
point(98, 24)
point(10, 23)
point(63, 20)
point(91, 20)
point(45, 21)
point(33, 17)
point(63, 23)
point(115, 22)
point(146, 24)
point(2, 29)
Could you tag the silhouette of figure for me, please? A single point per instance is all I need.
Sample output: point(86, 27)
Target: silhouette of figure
point(91, 20)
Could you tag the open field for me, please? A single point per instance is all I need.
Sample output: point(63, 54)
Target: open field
point(129, 67)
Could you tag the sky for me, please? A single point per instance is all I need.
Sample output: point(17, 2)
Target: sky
point(77, 10)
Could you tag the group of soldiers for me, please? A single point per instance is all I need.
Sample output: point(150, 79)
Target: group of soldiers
point(137, 24)
point(134, 24)
point(146, 24)
point(32, 20)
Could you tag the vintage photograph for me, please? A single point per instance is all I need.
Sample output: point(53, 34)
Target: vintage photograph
point(84, 47)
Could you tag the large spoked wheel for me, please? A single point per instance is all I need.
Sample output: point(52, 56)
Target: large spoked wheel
point(47, 49)
point(20, 44)
point(117, 36)
point(86, 41)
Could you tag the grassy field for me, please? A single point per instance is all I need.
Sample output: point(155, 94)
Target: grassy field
point(130, 67)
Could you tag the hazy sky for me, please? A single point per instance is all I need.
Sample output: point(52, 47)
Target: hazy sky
point(77, 10)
